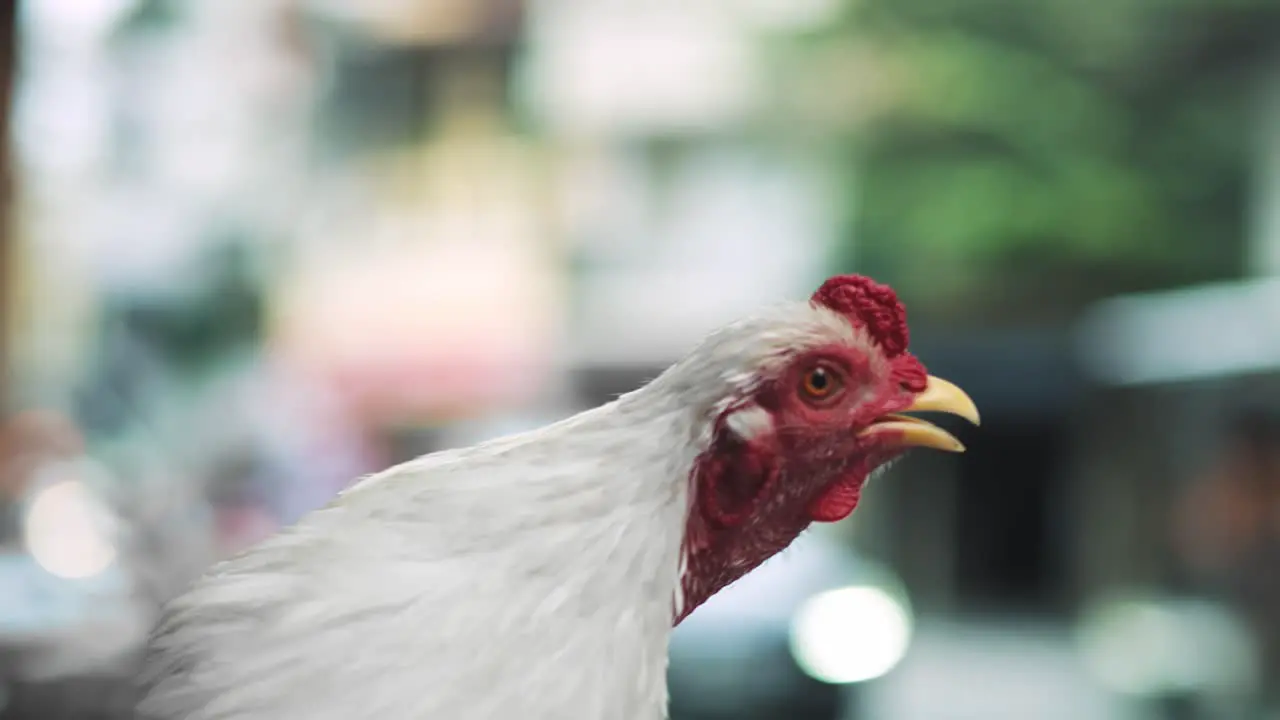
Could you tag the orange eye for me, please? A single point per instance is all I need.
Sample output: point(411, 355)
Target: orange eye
point(820, 383)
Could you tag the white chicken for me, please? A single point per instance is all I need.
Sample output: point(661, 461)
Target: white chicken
point(539, 576)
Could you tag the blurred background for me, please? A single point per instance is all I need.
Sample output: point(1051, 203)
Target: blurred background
point(253, 249)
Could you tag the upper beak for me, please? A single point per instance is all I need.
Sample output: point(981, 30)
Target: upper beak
point(938, 396)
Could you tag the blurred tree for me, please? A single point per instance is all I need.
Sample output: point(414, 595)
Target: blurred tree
point(217, 316)
point(1028, 157)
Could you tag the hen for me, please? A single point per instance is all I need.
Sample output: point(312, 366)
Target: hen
point(539, 576)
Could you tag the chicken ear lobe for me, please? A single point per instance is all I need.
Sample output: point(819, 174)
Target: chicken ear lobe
point(739, 469)
point(837, 502)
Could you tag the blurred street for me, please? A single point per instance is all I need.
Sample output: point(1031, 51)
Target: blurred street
point(973, 670)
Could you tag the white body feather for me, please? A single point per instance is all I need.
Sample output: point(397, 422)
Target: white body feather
point(531, 577)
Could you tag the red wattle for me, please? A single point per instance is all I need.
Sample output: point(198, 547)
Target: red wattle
point(836, 503)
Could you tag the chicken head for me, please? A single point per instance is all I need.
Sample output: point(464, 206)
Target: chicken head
point(815, 414)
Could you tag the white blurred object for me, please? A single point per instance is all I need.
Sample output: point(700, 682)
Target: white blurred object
point(741, 648)
point(739, 228)
point(60, 628)
point(66, 528)
point(604, 68)
point(421, 329)
point(69, 606)
point(438, 291)
point(141, 146)
point(1147, 647)
point(850, 635)
point(990, 669)
point(792, 15)
point(1193, 333)
point(73, 21)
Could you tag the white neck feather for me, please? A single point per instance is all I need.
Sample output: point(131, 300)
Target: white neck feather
point(558, 549)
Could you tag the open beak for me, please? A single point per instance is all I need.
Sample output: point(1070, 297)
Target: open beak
point(938, 396)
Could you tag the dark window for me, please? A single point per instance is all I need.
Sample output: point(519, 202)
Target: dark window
point(1009, 537)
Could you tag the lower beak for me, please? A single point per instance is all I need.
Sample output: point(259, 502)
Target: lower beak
point(938, 396)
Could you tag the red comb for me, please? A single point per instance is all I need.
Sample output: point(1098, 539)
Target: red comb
point(867, 303)
point(875, 307)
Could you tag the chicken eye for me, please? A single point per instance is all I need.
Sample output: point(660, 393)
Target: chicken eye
point(820, 383)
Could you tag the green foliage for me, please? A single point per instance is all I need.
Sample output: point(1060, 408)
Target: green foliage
point(1101, 143)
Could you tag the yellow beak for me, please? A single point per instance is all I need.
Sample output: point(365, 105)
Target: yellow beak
point(938, 396)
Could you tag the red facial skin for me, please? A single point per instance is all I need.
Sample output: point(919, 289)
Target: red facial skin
point(752, 498)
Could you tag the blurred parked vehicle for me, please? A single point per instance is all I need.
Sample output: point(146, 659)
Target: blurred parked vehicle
point(792, 639)
point(70, 618)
